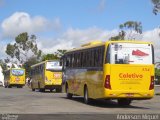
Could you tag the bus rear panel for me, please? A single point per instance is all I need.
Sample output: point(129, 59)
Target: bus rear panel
point(129, 71)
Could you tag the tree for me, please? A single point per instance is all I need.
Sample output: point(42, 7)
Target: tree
point(3, 65)
point(24, 48)
point(27, 65)
point(49, 57)
point(55, 56)
point(128, 30)
point(157, 75)
point(156, 8)
point(60, 53)
point(120, 36)
point(131, 27)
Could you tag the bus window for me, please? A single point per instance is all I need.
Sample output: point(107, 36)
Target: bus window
point(17, 72)
point(108, 55)
point(54, 65)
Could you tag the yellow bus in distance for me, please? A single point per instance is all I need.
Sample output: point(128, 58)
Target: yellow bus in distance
point(46, 75)
point(14, 77)
point(121, 70)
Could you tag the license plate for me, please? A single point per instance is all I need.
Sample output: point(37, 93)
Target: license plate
point(129, 94)
point(57, 75)
point(17, 79)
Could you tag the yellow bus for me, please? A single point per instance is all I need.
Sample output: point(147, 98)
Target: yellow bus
point(121, 70)
point(14, 77)
point(46, 75)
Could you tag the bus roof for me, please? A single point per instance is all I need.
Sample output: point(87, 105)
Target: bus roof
point(101, 43)
point(42, 63)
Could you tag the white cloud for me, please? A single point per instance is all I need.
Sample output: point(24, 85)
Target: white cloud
point(75, 37)
point(71, 38)
point(101, 5)
point(153, 36)
point(57, 25)
point(2, 51)
point(22, 22)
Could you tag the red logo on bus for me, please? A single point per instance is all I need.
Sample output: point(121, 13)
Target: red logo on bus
point(128, 75)
point(139, 53)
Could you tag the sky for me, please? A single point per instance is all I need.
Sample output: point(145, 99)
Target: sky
point(65, 24)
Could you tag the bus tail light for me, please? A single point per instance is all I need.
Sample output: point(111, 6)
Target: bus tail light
point(151, 83)
point(107, 83)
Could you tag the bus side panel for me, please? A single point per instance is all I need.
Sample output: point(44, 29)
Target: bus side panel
point(35, 81)
point(78, 78)
point(95, 79)
point(70, 80)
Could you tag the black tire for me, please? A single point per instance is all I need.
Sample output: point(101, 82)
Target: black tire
point(32, 88)
point(124, 102)
point(68, 95)
point(41, 89)
point(59, 89)
point(19, 86)
point(87, 100)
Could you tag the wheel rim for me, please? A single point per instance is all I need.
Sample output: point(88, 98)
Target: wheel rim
point(86, 96)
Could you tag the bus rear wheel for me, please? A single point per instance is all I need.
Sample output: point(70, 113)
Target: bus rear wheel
point(32, 88)
point(59, 90)
point(87, 100)
point(41, 89)
point(124, 102)
point(19, 86)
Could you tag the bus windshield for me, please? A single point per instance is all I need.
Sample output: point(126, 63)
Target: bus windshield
point(17, 72)
point(54, 65)
point(130, 53)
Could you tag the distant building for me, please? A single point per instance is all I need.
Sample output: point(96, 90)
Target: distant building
point(1, 76)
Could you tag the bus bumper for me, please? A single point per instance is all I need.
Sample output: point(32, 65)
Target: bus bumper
point(115, 94)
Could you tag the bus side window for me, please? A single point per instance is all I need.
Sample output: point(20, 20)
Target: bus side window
point(67, 62)
point(101, 52)
point(108, 55)
point(153, 54)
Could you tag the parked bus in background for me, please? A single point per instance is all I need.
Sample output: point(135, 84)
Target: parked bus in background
point(14, 77)
point(122, 70)
point(46, 75)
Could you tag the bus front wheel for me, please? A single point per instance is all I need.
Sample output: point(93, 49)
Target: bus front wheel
point(68, 95)
point(86, 96)
point(124, 102)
